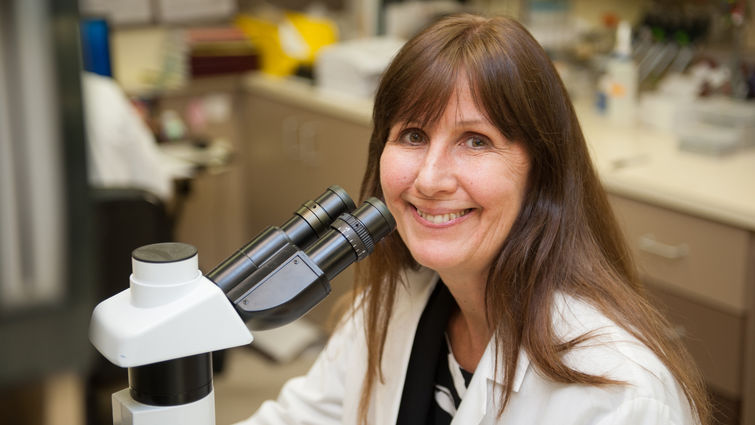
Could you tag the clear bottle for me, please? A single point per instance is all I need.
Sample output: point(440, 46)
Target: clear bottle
point(621, 81)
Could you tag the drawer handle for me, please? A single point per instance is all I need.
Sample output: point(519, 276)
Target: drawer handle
point(649, 244)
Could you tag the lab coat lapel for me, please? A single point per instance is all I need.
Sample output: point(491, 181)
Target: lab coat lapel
point(474, 404)
point(398, 346)
point(480, 402)
point(482, 399)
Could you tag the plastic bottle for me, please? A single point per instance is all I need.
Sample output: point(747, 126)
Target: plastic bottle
point(621, 73)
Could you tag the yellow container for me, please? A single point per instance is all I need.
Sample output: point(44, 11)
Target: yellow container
point(288, 42)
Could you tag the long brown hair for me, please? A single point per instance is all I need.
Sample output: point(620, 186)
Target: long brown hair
point(565, 237)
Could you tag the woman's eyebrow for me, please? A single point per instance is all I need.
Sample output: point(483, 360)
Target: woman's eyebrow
point(471, 121)
point(474, 122)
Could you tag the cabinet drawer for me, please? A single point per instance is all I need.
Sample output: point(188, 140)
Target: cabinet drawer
point(713, 337)
point(696, 257)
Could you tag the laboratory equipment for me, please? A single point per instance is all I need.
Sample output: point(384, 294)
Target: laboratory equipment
point(715, 125)
point(354, 67)
point(621, 75)
point(164, 327)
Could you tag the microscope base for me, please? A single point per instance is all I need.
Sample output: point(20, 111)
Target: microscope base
point(127, 411)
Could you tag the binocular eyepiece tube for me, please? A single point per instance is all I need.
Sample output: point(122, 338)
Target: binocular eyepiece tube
point(308, 223)
point(352, 237)
point(285, 271)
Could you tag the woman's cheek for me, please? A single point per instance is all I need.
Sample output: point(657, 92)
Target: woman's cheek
point(390, 174)
point(392, 178)
point(398, 166)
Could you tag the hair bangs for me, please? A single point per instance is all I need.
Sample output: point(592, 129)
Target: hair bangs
point(493, 81)
point(425, 100)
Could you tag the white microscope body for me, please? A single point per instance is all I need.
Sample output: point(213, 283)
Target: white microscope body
point(170, 311)
point(165, 326)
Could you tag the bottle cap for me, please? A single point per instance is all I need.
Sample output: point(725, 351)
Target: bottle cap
point(624, 39)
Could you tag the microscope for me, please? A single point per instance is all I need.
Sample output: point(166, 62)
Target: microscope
point(165, 326)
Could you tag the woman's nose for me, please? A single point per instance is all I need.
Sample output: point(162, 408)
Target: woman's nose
point(435, 174)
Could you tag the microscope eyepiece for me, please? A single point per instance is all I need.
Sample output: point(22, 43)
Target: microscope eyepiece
point(378, 219)
point(352, 237)
point(308, 223)
point(312, 219)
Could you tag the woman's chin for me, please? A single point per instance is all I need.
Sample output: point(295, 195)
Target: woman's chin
point(438, 263)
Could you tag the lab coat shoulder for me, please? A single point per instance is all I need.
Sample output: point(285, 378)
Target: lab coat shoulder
point(122, 151)
point(649, 394)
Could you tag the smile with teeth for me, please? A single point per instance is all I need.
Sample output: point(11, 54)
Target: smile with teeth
point(442, 218)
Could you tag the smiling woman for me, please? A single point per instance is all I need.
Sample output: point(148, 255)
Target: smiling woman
point(507, 295)
point(455, 187)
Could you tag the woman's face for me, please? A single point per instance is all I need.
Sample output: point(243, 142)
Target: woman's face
point(455, 187)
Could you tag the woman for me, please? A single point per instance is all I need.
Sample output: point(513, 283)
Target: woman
point(507, 294)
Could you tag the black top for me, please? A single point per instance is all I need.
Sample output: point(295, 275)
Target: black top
point(428, 377)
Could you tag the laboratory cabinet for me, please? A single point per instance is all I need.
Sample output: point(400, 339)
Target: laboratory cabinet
point(698, 267)
point(700, 273)
point(292, 154)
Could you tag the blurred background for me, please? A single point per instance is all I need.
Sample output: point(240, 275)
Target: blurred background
point(124, 123)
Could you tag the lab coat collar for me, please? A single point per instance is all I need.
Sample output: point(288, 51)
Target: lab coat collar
point(487, 365)
point(486, 388)
point(420, 284)
point(485, 391)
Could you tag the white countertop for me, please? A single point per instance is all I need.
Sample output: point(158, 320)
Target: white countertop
point(635, 162)
point(645, 164)
point(302, 93)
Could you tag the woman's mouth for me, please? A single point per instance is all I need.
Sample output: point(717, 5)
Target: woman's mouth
point(442, 218)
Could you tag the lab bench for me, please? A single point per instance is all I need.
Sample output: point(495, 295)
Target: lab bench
point(689, 219)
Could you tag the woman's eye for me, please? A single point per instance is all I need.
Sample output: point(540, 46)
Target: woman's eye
point(412, 137)
point(477, 142)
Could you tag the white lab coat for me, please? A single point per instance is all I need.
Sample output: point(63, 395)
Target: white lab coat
point(122, 152)
point(329, 393)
